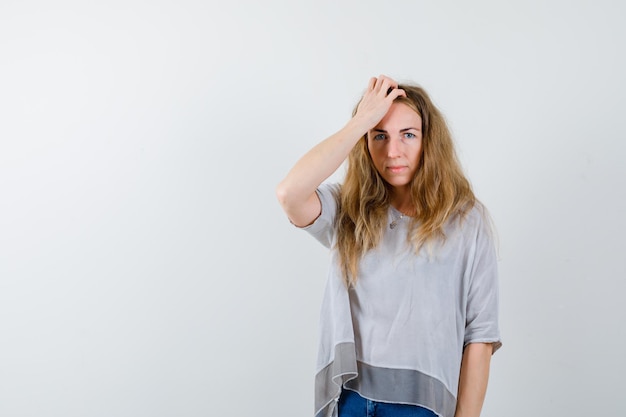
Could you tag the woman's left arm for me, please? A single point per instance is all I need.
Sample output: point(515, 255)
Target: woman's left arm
point(473, 379)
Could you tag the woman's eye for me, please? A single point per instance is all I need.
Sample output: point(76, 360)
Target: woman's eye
point(409, 135)
point(380, 136)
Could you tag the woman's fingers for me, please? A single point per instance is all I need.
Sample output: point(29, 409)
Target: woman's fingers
point(372, 83)
point(384, 84)
point(395, 93)
point(377, 100)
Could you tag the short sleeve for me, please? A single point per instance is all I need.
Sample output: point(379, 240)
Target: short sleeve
point(323, 228)
point(483, 299)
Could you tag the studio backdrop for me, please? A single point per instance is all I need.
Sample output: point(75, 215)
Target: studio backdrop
point(146, 268)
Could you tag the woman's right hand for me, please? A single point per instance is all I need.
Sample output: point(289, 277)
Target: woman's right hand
point(375, 103)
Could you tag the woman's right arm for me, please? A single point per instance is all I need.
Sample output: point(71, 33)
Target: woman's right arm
point(296, 192)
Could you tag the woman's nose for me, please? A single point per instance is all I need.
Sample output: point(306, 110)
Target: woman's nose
point(394, 148)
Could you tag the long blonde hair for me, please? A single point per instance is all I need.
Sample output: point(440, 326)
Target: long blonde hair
point(439, 190)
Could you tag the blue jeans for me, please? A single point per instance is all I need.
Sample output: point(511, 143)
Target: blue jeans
point(352, 404)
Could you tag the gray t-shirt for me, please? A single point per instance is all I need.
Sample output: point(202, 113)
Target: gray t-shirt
point(398, 334)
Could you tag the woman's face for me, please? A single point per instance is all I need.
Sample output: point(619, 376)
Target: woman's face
point(395, 145)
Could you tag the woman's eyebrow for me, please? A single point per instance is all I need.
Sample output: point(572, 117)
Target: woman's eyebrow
point(401, 130)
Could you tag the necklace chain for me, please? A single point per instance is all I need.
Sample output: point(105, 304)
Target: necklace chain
point(395, 221)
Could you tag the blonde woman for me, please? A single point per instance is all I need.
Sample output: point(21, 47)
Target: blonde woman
point(409, 317)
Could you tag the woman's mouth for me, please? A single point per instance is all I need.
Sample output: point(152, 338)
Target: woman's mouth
point(396, 169)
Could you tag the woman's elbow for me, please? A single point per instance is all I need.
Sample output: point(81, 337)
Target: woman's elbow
point(282, 194)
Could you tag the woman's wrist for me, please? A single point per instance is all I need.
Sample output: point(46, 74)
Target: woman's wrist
point(358, 126)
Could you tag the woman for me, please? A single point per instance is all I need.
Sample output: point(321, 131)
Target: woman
point(409, 316)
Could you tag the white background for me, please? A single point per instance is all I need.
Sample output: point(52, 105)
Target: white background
point(146, 268)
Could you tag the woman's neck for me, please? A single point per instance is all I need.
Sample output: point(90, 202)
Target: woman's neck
point(401, 201)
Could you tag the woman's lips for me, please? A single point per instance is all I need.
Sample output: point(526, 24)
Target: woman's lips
point(396, 169)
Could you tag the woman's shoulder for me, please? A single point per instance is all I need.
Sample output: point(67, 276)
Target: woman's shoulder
point(478, 223)
point(331, 189)
point(478, 211)
point(476, 216)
